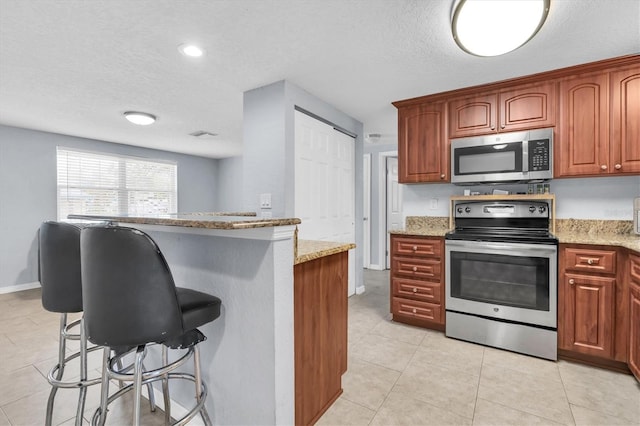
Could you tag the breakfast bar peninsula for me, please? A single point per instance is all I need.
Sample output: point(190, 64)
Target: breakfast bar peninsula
point(249, 360)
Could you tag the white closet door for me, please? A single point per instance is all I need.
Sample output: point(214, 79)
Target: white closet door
point(325, 184)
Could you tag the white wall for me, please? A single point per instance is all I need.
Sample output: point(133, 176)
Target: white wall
point(609, 198)
point(229, 185)
point(28, 191)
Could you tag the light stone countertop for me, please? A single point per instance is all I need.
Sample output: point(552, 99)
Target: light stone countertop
point(569, 231)
point(310, 250)
point(196, 220)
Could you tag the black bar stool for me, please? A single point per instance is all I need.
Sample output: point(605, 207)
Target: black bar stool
point(131, 301)
point(59, 251)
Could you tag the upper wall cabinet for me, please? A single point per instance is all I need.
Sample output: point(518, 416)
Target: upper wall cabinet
point(515, 108)
point(423, 149)
point(598, 129)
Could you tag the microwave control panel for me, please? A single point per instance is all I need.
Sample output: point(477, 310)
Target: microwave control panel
point(539, 154)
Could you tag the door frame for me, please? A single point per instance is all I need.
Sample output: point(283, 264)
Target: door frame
point(382, 207)
point(366, 213)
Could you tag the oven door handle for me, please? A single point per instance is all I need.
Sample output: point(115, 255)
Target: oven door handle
point(497, 246)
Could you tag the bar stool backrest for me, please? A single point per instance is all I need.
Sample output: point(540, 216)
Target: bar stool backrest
point(59, 253)
point(129, 295)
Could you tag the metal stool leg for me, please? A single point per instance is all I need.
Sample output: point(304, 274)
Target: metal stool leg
point(165, 387)
point(198, 381)
point(61, 357)
point(104, 392)
point(137, 384)
point(83, 374)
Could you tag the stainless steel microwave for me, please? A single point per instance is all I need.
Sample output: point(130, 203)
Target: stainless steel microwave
point(504, 157)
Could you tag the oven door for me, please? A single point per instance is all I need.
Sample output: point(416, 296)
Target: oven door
point(509, 281)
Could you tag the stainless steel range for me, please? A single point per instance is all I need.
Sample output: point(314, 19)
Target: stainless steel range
point(501, 280)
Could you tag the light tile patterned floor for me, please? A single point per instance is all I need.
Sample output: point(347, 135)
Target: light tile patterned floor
point(398, 375)
point(402, 375)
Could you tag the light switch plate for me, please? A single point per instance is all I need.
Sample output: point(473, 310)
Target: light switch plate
point(265, 201)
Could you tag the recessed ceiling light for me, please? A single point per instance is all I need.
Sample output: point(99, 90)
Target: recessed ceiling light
point(140, 118)
point(191, 50)
point(496, 27)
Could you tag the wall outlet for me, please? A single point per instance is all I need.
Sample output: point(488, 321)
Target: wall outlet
point(265, 201)
point(433, 204)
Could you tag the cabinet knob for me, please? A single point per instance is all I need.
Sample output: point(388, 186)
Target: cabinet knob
point(415, 310)
point(503, 126)
point(442, 176)
point(618, 166)
point(493, 127)
point(603, 167)
point(590, 261)
point(572, 281)
point(415, 248)
point(415, 290)
point(415, 268)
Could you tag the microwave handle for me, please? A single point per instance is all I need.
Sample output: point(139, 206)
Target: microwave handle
point(525, 155)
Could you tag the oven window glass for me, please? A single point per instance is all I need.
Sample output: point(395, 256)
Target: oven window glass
point(517, 281)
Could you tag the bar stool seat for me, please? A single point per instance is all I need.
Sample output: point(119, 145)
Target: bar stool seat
point(131, 301)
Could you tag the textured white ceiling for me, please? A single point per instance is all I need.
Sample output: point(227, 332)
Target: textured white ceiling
point(73, 66)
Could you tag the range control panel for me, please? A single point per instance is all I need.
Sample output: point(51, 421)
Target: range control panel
point(516, 210)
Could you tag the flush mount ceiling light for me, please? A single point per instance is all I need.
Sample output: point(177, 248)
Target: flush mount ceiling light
point(495, 27)
point(140, 118)
point(191, 50)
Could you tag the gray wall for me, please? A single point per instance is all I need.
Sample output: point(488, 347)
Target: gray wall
point(229, 185)
point(269, 144)
point(28, 191)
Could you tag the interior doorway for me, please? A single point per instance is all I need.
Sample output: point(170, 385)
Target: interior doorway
point(366, 211)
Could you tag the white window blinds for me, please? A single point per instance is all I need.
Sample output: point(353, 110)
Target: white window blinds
point(107, 184)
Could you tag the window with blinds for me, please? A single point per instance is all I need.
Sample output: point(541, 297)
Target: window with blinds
point(107, 184)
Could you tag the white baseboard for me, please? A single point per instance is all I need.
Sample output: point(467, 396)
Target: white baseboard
point(177, 410)
point(376, 267)
point(19, 287)
point(360, 290)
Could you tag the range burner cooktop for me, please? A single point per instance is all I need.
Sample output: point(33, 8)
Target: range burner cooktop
point(513, 221)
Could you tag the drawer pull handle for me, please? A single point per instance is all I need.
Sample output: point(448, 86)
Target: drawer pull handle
point(415, 290)
point(415, 248)
point(415, 269)
point(415, 310)
point(592, 261)
point(572, 281)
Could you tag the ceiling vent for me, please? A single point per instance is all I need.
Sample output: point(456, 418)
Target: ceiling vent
point(203, 134)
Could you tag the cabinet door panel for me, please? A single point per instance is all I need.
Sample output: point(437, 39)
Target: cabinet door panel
point(422, 144)
point(583, 145)
point(527, 108)
point(429, 269)
point(416, 247)
point(625, 131)
point(589, 314)
point(473, 116)
point(634, 329)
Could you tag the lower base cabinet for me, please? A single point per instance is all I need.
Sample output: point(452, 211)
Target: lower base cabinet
point(320, 334)
point(634, 315)
point(417, 281)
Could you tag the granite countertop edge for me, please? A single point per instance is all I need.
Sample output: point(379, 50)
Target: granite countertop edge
point(310, 250)
point(191, 220)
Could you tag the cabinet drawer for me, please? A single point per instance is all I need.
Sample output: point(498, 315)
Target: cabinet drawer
point(417, 268)
point(419, 290)
point(418, 310)
point(416, 247)
point(602, 261)
point(634, 268)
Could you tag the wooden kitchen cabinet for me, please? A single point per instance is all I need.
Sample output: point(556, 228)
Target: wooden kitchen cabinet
point(634, 315)
point(417, 281)
point(592, 300)
point(320, 334)
point(423, 148)
point(598, 125)
point(511, 109)
point(625, 125)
